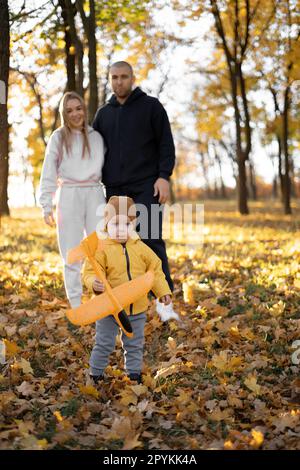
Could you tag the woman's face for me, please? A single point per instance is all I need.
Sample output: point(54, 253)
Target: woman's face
point(75, 114)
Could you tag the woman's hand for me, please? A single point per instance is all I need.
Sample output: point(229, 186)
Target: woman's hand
point(49, 219)
point(98, 286)
point(165, 299)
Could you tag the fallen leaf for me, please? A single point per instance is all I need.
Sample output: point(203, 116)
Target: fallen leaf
point(251, 383)
point(11, 348)
point(26, 389)
point(128, 397)
point(139, 389)
point(132, 442)
point(89, 390)
point(25, 366)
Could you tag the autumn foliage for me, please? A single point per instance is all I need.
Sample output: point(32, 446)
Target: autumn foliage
point(221, 378)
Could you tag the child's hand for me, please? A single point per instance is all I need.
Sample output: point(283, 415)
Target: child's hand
point(98, 286)
point(165, 299)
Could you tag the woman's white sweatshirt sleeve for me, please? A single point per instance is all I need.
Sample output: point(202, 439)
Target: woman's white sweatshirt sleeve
point(48, 181)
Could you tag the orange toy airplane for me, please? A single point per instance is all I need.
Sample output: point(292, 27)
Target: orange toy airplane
point(113, 300)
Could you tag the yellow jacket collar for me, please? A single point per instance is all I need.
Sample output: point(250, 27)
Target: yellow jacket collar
point(130, 241)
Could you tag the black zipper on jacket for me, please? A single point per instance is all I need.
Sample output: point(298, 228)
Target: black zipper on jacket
point(128, 271)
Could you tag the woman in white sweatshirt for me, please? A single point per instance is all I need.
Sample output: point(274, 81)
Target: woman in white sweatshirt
point(73, 164)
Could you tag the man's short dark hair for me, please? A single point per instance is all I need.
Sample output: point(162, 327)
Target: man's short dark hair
point(122, 63)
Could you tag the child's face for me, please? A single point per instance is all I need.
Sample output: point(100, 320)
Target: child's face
point(119, 228)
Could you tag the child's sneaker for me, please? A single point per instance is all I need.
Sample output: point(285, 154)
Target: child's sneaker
point(96, 378)
point(136, 377)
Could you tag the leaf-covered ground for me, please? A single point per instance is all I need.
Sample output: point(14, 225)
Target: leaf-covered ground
point(222, 378)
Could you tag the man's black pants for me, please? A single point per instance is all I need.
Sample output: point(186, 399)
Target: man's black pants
point(143, 193)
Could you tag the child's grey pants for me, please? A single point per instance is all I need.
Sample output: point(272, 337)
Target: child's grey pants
point(106, 332)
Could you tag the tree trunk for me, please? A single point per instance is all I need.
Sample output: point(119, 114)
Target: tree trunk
point(275, 188)
point(70, 53)
point(242, 187)
point(70, 64)
point(242, 175)
point(234, 58)
point(223, 190)
point(105, 79)
point(205, 175)
point(4, 129)
point(248, 131)
point(252, 179)
point(93, 79)
point(280, 175)
point(78, 47)
point(293, 185)
point(89, 26)
point(285, 138)
point(222, 185)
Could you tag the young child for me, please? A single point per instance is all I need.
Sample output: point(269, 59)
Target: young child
point(124, 257)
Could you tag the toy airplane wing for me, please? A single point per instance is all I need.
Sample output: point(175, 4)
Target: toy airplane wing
point(101, 306)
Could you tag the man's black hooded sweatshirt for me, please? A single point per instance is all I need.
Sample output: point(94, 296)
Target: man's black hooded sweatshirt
point(138, 138)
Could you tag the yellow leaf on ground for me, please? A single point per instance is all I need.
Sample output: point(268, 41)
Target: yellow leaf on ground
point(25, 366)
point(149, 381)
point(128, 397)
point(11, 348)
point(89, 390)
point(234, 401)
point(223, 363)
point(251, 383)
point(58, 416)
point(184, 397)
point(219, 360)
point(115, 372)
point(235, 361)
point(258, 439)
point(218, 415)
point(228, 445)
point(277, 309)
point(297, 283)
point(188, 293)
point(139, 389)
point(43, 443)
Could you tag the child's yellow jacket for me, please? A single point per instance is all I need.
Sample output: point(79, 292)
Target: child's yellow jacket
point(123, 262)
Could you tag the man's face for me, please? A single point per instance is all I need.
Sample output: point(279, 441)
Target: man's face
point(121, 81)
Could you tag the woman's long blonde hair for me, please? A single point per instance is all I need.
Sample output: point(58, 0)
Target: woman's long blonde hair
point(65, 125)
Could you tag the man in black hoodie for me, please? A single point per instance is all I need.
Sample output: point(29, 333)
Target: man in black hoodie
point(140, 153)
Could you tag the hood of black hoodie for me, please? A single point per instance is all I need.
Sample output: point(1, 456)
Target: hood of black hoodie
point(135, 94)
